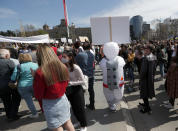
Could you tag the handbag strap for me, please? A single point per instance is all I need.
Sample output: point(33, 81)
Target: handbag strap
point(18, 72)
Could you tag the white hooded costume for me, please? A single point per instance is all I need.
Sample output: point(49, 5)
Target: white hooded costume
point(113, 74)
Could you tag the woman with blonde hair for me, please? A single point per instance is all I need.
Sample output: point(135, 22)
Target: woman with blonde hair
point(22, 74)
point(50, 82)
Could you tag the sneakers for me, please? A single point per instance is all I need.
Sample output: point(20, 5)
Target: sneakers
point(90, 107)
point(169, 106)
point(14, 118)
point(166, 102)
point(83, 129)
point(113, 108)
point(34, 116)
point(146, 110)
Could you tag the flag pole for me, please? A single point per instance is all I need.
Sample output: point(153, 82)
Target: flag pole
point(66, 17)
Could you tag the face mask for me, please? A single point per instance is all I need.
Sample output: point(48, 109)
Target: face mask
point(63, 60)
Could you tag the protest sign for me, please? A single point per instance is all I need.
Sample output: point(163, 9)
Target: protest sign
point(107, 29)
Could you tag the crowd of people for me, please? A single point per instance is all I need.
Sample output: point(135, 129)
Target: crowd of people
point(58, 75)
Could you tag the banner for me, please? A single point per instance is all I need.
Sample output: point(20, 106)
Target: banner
point(32, 39)
point(64, 40)
point(83, 39)
point(107, 29)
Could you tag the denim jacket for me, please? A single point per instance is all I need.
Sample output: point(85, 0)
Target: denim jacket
point(90, 64)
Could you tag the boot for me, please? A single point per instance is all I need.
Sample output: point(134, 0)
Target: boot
point(146, 110)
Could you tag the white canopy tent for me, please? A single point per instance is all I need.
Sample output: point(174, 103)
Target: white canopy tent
point(33, 39)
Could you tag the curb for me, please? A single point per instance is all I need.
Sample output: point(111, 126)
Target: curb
point(130, 125)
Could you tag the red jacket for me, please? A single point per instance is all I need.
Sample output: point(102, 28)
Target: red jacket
point(42, 91)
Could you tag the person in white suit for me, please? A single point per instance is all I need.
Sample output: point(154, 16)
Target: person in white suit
point(113, 75)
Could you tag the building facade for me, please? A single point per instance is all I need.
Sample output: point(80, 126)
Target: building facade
point(60, 31)
point(136, 23)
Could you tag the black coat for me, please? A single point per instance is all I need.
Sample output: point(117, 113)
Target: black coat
point(147, 76)
point(6, 70)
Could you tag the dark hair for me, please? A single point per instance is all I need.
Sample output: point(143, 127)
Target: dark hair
point(86, 46)
point(77, 45)
point(32, 47)
point(72, 60)
point(130, 49)
point(149, 47)
point(13, 52)
point(140, 52)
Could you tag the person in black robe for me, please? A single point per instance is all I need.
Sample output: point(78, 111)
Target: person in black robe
point(147, 73)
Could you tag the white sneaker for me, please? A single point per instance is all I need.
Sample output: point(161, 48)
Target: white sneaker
point(83, 129)
point(113, 108)
point(34, 116)
point(169, 106)
point(165, 102)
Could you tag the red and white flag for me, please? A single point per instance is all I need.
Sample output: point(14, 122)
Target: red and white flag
point(65, 13)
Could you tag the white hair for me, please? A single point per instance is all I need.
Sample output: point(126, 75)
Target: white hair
point(4, 53)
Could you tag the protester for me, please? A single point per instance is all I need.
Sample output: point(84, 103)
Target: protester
point(172, 82)
point(169, 54)
point(14, 56)
point(23, 49)
point(75, 91)
point(81, 59)
point(77, 47)
point(160, 61)
point(130, 67)
point(13, 52)
point(33, 49)
point(90, 73)
point(60, 50)
point(50, 82)
point(22, 72)
point(10, 97)
point(97, 54)
point(113, 75)
point(138, 60)
point(124, 54)
point(147, 78)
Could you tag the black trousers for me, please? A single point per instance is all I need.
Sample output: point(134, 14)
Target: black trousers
point(11, 100)
point(146, 102)
point(77, 100)
point(91, 91)
point(172, 101)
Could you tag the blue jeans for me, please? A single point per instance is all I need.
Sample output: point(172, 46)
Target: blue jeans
point(131, 73)
point(27, 93)
point(91, 91)
point(161, 65)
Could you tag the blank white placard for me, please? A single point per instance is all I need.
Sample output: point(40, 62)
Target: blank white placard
point(120, 29)
point(100, 28)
